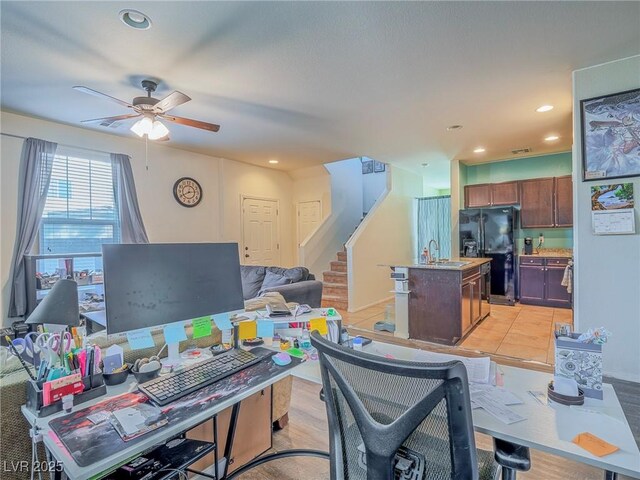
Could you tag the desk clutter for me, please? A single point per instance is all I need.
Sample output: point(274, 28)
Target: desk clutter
point(94, 425)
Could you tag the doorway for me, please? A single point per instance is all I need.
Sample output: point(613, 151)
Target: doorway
point(260, 232)
point(309, 215)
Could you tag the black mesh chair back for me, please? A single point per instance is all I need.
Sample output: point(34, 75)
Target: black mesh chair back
point(393, 419)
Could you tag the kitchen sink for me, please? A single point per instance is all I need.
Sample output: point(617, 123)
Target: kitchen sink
point(451, 264)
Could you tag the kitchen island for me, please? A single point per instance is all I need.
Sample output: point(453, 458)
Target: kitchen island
point(445, 300)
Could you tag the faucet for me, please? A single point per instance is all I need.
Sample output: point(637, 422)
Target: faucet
point(437, 250)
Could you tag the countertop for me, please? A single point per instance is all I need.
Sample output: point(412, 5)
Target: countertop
point(473, 263)
point(552, 252)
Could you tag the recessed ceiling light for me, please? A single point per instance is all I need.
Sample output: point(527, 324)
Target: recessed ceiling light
point(425, 164)
point(135, 19)
point(273, 162)
point(454, 127)
point(551, 138)
point(479, 150)
point(544, 108)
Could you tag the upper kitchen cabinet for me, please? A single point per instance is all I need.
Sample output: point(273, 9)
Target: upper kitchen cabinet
point(477, 195)
point(564, 201)
point(505, 193)
point(536, 203)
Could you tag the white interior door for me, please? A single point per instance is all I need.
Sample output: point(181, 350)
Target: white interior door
point(261, 245)
point(308, 218)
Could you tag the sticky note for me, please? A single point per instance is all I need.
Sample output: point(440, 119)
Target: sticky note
point(319, 324)
point(247, 330)
point(201, 327)
point(265, 328)
point(222, 321)
point(174, 333)
point(594, 445)
point(139, 339)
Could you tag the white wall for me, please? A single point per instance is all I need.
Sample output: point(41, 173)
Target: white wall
point(373, 185)
point(607, 268)
point(217, 218)
point(384, 237)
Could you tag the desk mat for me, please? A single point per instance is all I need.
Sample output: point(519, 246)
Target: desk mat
point(88, 443)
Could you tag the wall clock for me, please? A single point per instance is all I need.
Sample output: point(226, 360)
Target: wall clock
point(187, 192)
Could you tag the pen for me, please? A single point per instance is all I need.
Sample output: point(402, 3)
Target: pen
point(12, 347)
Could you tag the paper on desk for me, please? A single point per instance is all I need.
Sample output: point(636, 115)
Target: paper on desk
point(478, 368)
point(130, 419)
point(594, 445)
point(502, 413)
point(222, 321)
point(247, 329)
point(497, 394)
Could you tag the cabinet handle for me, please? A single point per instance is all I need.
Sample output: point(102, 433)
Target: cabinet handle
point(472, 283)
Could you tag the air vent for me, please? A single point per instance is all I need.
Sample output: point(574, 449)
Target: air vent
point(519, 151)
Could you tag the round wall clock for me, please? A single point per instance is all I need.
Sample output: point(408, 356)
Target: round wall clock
point(187, 192)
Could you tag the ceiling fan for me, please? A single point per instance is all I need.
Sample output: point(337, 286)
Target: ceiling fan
point(150, 109)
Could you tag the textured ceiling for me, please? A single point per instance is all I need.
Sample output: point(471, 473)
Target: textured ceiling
point(307, 83)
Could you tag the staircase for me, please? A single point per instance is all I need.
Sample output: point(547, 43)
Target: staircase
point(335, 291)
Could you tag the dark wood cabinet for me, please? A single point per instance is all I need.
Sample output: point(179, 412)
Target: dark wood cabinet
point(505, 193)
point(540, 282)
point(564, 201)
point(444, 305)
point(536, 203)
point(477, 195)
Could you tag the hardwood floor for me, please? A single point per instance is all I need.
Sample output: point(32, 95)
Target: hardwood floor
point(308, 429)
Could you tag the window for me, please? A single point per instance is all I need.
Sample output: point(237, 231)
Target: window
point(80, 213)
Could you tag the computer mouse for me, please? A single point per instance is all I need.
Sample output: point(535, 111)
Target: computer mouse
point(281, 359)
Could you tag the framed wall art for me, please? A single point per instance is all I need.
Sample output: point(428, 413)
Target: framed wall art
point(611, 135)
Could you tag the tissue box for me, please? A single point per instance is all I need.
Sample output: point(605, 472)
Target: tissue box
point(582, 362)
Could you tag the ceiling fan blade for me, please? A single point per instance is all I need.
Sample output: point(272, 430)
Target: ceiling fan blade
point(192, 123)
point(112, 119)
point(95, 93)
point(170, 101)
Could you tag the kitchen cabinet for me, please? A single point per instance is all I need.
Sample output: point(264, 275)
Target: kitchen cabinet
point(505, 193)
point(537, 203)
point(540, 282)
point(564, 201)
point(446, 304)
point(477, 195)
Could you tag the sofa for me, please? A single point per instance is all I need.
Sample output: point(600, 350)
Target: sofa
point(296, 284)
point(14, 429)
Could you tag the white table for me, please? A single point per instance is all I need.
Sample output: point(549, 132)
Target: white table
point(549, 428)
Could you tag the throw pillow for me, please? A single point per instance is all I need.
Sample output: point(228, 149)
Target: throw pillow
point(252, 277)
point(295, 274)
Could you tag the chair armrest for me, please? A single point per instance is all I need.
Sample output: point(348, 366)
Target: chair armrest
point(511, 456)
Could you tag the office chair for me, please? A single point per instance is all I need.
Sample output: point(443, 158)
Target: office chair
point(394, 419)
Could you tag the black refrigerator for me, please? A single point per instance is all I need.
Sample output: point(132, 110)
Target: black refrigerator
point(492, 233)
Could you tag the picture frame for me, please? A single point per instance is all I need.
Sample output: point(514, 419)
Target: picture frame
point(379, 166)
point(610, 135)
point(367, 167)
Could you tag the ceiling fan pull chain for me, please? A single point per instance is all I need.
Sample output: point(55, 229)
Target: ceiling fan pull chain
point(146, 152)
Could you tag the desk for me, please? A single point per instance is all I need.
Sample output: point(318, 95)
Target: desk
point(549, 428)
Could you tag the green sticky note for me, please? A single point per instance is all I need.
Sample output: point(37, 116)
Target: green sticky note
point(201, 327)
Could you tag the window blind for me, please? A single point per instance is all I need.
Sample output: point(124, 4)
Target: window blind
point(80, 213)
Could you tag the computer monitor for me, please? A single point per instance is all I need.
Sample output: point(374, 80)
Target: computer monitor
point(147, 285)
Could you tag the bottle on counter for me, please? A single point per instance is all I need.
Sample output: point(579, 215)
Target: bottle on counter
point(424, 258)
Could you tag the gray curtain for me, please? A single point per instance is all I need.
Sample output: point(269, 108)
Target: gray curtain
point(434, 222)
point(124, 189)
point(33, 184)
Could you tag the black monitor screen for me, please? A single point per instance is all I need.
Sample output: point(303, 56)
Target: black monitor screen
point(147, 285)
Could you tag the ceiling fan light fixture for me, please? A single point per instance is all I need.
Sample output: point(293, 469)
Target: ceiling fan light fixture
point(143, 127)
point(158, 131)
point(135, 19)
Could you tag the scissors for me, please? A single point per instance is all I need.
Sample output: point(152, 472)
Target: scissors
point(29, 349)
point(54, 345)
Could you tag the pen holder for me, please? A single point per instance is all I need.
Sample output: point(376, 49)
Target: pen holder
point(93, 388)
point(581, 362)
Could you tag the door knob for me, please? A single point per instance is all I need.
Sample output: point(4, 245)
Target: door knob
point(246, 255)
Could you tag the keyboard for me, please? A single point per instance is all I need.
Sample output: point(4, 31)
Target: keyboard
point(171, 387)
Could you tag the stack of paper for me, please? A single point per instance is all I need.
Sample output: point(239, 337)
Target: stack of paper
point(478, 369)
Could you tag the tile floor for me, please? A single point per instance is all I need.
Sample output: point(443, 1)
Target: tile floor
point(521, 331)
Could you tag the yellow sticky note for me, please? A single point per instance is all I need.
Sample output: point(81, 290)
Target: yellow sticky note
point(594, 444)
point(247, 330)
point(319, 324)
